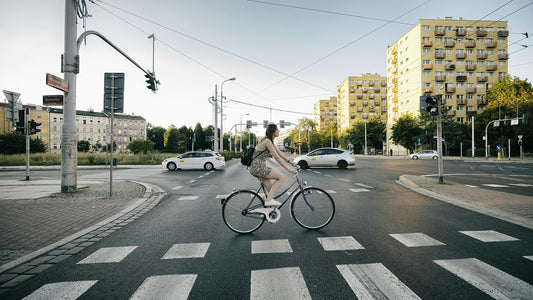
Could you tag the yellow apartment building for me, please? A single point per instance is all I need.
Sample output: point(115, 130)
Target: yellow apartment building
point(325, 113)
point(457, 58)
point(360, 98)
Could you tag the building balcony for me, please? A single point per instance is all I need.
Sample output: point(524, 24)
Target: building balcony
point(503, 33)
point(449, 44)
point(383, 83)
point(428, 90)
point(440, 78)
point(394, 80)
point(439, 32)
point(427, 66)
point(365, 116)
point(395, 90)
point(460, 32)
point(471, 90)
point(482, 78)
point(451, 113)
point(377, 103)
point(371, 108)
point(395, 108)
point(470, 67)
point(359, 109)
point(383, 109)
point(481, 33)
point(460, 55)
point(491, 45)
point(492, 68)
point(359, 96)
point(376, 89)
point(440, 55)
point(427, 43)
point(503, 56)
point(460, 78)
point(359, 83)
point(471, 112)
point(450, 89)
point(449, 67)
point(461, 102)
point(481, 102)
point(470, 44)
point(365, 90)
point(371, 83)
point(482, 56)
point(394, 51)
point(365, 103)
point(371, 96)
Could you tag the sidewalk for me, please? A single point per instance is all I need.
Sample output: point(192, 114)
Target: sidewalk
point(513, 208)
point(41, 226)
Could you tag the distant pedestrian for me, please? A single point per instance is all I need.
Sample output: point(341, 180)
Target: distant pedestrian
point(390, 152)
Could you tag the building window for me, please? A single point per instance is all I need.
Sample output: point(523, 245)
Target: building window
point(425, 27)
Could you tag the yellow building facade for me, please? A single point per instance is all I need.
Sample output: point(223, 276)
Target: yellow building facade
point(325, 113)
point(361, 98)
point(459, 59)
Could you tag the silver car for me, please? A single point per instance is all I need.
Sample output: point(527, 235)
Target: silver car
point(425, 154)
point(326, 157)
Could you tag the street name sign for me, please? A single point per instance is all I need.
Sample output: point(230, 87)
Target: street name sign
point(52, 99)
point(56, 82)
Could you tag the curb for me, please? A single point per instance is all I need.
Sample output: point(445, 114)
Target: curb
point(63, 249)
point(406, 182)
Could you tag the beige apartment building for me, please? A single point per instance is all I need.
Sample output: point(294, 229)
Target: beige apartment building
point(457, 58)
point(361, 98)
point(325, 113)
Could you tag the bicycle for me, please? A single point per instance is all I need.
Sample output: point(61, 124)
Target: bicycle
point(311, 207)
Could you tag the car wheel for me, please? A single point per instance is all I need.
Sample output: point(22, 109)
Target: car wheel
point(208, 166)
point(171, 166)
point(415, 157)
point(435, 157)
point(342, 164)
point(303, 164)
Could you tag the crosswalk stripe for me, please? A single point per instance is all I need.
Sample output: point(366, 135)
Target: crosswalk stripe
point(359, 190)
point(521, 184)
point(489, 236)
point(221, 196)
point(530, 257)
point(191, 181)
point(472, 186)
point(271, 246)
point(165, 287)
point(331, 192)
point(339, 243)
point(61, 290)
point(191, 250)
point(108, 255)
point(283, 283)
point(490, 280)
point(364, 185)
point(495, 185)
point(374, 281)
point(344, 179)
point(416, 239)
point(187, 198)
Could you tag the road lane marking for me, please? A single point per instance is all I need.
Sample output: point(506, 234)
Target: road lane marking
point(283, 283)
point(521, 184)
point(271, 246)
point(374, 281)
point(359, 190)
point(178, 187)
point(339, 243)
point(187, 198)
point(495, 185)
point(221, 196)
point(416, 239)
point(191, 250)
point(328, 175)
point(488, 236)
point(165, 287)
point(364, 185)
point(344, 179)
point(191, 181)
point(472, 186)
point(61, 290)
point(530, 257)
point(492, 281)
point(331, 192)
point(108, 255)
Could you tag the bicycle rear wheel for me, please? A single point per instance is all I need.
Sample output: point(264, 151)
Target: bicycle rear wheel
point(312, 209)
point(237, 211)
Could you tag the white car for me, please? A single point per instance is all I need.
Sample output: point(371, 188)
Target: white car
point(326, 157)
point(425, 154)
point(195, 160)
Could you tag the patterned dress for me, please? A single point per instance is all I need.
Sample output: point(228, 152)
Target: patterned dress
point(258, 168)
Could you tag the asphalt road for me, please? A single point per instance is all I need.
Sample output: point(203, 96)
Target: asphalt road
point(388, 235)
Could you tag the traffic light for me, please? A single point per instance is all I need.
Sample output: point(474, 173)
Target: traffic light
point(281, 123)
point(432, 105)
point(265, 123)
point(524, 119)
point(150, 79)
point(33, 127)
point(20, 128)
point(248, 124)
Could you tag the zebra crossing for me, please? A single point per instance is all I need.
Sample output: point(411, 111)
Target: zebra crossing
point(367, 281)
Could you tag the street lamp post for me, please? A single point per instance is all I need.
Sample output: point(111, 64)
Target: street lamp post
point(366, 149)
point(222, 115)
point(241, 130)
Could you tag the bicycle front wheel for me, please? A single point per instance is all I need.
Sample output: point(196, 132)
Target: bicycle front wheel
point(312, 209)
point(237, 211)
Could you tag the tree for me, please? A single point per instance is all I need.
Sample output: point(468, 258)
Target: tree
point(84, 146)
point(141, 146)
point(405, 132)
point(453, 133)
point(16, 143)
point(156, 135)
point(199, 137)
point(171, 140)
point(375, 134)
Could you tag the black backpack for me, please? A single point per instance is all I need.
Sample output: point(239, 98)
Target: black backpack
point(248, 155)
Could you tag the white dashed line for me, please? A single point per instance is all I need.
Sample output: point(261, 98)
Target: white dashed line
point(343, 179)
point(416, 239)
point(178, 187)
point(108, 255)
point(271, 246)
point(191, 181)
point(62, 290)
point(187, 198)
point(364, 185)
point(284, 283)
point(165, 287)
point(194, 250)
point(339, 243)
point(472, 186)
point(359, 190)
point(488, 236)
point(495, 185)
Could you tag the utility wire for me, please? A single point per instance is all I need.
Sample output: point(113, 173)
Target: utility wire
point(330, 12)
point(269, 108)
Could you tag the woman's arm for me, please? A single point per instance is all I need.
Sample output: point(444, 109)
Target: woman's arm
point(276, 154)
point(283, 156)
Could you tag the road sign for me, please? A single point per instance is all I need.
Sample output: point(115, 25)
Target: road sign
point(52, 99)
point(12, 97)
point(56, 82)
point(114, 92)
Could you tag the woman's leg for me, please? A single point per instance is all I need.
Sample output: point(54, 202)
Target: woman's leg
point(278, 181)
point(268, 184)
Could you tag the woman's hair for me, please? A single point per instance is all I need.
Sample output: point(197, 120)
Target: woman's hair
point(269, 133)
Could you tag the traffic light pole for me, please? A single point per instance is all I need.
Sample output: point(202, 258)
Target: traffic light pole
point(439, 138)
point(27, 131)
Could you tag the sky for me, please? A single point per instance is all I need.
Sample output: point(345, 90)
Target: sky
point(285, 55)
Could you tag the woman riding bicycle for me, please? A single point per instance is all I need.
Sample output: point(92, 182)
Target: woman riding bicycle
point(271, 179)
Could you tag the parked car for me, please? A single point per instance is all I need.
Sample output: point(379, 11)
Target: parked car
point(326, 157)
point(425, 154)
point(195, 160)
